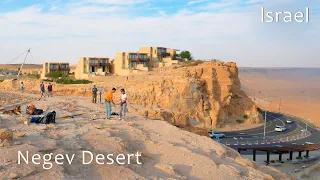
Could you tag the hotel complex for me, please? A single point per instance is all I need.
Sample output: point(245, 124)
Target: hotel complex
point(55, 66)
point(125, 63)
point(145, 59)
point(90, 66)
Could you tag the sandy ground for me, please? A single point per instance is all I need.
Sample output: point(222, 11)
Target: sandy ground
point(287, 85)
point(167, 151)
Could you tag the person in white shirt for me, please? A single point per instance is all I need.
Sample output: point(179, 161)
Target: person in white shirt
point(123, 105)
point(22, 87)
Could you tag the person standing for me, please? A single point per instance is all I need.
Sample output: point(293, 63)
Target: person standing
point(123, 105)
point(50, 90)
point(100, 93)
point(94, 94)
point(42, 90)
point(109, 100)
point(22, 87)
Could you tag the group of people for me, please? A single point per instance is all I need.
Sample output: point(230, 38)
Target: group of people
point(109, 101)
point(43, 90)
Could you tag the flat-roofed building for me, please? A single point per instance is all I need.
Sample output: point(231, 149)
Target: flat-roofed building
point(126, 63)
point(55, 66)
point(146, 58)
point(161, 54)
point(91, 66)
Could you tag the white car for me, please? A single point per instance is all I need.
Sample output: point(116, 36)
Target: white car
point(309, 143)
point(289, 121)
point(215, 134)
point(280, 129)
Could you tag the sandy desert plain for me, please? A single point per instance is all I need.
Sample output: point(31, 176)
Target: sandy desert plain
point(172, 146)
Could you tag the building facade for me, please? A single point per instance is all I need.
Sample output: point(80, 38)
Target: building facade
point(166, 56)
point(91, 66)
point(48, 67)
point(126, 63)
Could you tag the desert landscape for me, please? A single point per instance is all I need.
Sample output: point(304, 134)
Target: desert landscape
point(163, 108)
point(292, 85)
point(170, 110)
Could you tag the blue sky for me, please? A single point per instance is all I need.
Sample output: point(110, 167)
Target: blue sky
point(230, 30)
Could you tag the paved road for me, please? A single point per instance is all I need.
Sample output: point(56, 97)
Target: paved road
point(273, 119)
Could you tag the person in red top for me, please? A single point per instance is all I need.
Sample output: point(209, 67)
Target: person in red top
point(50, 90)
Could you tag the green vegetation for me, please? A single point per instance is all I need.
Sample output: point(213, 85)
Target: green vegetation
point(33, 76)
point(240, 121)
point(194, 62)
point(186, 55)
point(71, 81)
point(54, 75)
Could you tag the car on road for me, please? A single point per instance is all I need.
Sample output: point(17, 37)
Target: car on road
point(213, 134)
point(309, 143)
point(280, 129)
point(289, 121)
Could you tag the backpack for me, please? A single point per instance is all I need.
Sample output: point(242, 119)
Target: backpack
point(30, 109)
point(48, 118)
point(38, 112)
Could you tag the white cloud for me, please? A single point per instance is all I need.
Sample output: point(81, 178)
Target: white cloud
point(80, 31)
point(196, 2)
point(117, 2)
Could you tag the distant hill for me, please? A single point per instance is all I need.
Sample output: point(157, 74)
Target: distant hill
point(290, 74)
point(16, 66)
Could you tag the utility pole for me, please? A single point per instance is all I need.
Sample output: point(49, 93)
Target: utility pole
point(280, 106)
point(265, 118)
point(23, 63)
point(308, 109)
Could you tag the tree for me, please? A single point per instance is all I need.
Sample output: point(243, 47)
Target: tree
point(54, 75)
point(186, 55)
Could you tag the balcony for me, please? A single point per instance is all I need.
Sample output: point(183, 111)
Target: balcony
point(163, 54)
point(137, 59)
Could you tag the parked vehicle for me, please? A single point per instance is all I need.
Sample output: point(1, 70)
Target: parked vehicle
point(280, 129)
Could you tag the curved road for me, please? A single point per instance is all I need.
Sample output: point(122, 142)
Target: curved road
point(273, 119)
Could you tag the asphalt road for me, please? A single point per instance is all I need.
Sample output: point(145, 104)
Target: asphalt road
point(273, 119)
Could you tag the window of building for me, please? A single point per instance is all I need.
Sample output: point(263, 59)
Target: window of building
point(143, 56)
point(103, 61)
point(85, 69)
point(93, 61)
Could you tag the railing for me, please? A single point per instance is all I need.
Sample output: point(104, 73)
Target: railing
point(239, 141)
point(139, 59)
point(165, 54)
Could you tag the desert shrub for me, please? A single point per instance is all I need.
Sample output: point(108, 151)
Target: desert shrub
point(259, 109)
point(47, 80)
point(194, 62)
point(240, 121)
point(54, 75)
point(71, 81)
point(245, 116)
point(33, 76)
point(1, 80)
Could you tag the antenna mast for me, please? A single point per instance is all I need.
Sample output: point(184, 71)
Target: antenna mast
point(23, 63)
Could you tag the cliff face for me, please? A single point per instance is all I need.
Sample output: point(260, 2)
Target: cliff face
point(209, 93)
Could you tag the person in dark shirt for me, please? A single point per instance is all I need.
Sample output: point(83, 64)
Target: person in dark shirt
point(42, 90)
point(50, 90)
point(94, 94)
